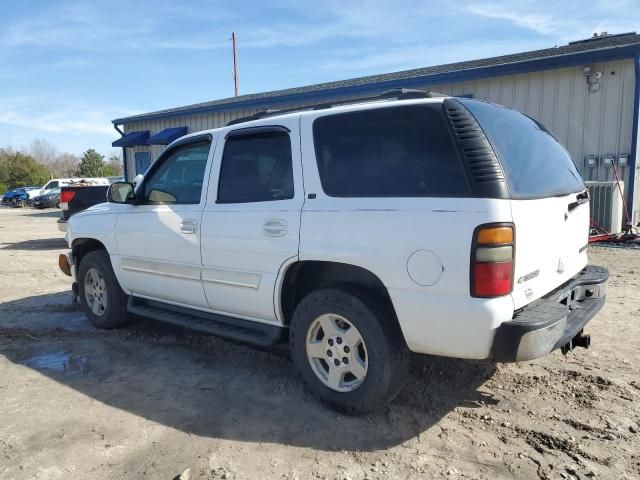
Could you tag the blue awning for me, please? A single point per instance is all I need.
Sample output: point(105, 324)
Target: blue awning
point(166, 136)
point(132, 139)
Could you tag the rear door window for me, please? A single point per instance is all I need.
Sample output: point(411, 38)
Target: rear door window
point(256, 168)
point(389, 152)
point(535, 163)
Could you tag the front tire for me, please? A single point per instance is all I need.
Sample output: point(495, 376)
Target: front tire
point(349, 349)
point(101, 297)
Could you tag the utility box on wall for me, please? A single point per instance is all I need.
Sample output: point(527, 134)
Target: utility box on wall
point(605, 201)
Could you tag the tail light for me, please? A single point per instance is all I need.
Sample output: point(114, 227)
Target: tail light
point(492, 254)
point(67, 196)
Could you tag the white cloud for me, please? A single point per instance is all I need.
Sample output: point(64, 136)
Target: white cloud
point(71, 126)
point(563, 21)
point(545, 24)
point(43, 114)
point(285, 23)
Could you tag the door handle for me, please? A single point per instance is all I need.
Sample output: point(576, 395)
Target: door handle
point(274, 227)
point(189, 226)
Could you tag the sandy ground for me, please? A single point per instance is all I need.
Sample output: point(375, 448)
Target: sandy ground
point(151, 401)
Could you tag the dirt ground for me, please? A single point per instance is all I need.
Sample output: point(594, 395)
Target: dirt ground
point(151, 401)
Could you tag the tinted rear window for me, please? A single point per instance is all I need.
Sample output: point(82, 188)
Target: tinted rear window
point(394, 152)
point(535, 163)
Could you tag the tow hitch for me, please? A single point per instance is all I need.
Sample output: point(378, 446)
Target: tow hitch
point(580, 340)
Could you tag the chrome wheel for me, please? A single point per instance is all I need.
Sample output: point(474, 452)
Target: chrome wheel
point(337, 353)
point(95, 291)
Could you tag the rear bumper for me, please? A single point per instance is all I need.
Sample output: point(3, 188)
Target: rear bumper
point(62, 225)
point(552, 322)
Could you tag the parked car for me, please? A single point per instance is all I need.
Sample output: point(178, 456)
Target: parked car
point(355, 233)
point(17, 197)
point(61, 182)
point(50, 199)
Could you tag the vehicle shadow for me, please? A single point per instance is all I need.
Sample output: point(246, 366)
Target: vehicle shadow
point(37, 244)
point(209, 387)
point(44, 212)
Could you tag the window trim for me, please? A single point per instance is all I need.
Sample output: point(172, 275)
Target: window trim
point(437, 107)
point(163, 157)
point(257, 130)
point(247, 131)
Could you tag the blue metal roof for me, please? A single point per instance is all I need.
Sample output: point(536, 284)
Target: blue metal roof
point(132, 139)
point(603, 48)
point(166, 136)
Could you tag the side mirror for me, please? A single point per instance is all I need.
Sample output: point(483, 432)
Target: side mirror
point(120, 192)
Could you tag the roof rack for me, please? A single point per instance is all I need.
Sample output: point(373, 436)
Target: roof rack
point(393, 94)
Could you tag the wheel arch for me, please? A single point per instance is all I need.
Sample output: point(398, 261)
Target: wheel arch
point(304, 276)
point(81, 246)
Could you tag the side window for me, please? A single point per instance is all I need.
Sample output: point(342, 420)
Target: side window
point(389, 152)
point(256, 168)
point(51, 185)
point(179, 177)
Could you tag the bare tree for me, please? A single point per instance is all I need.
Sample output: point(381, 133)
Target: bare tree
point(114, 167)
point(43, 151)
point(116, 153)
point(65, 165)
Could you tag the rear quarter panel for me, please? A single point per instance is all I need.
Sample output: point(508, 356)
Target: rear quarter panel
point(420, 250)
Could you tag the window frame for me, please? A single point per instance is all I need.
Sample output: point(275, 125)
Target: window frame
point(247, 132)
point(436, 107)
point(163, 157)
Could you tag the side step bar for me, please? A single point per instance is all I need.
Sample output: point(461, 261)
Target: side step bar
point(243, 331)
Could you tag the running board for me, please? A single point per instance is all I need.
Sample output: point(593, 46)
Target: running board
point(243, 331)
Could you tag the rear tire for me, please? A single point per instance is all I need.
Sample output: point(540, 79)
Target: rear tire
point(349, 350)
point(103, 300)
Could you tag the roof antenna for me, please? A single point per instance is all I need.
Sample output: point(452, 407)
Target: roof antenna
point(235, 63)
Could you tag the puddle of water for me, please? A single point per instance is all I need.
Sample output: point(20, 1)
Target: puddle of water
point(60, 362)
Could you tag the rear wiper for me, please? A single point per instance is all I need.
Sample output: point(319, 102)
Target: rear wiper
point(580, 199)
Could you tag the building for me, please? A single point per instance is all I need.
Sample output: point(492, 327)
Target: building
point(586, 92)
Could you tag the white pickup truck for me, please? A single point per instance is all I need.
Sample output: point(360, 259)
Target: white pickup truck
point(356, 233)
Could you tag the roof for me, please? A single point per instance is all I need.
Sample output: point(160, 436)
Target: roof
point(598, 48)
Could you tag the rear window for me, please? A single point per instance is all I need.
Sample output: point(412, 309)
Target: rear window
point(393, 152)
point(535, 163)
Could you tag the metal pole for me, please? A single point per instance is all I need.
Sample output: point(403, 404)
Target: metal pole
point(235, 63)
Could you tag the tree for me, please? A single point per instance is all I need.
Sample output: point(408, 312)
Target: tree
point(91, 164)
point(18, 170)
point(113, 168)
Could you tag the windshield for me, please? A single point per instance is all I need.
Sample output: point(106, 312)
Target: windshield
point(535, 163)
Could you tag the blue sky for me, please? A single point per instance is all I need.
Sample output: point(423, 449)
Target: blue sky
point(67, 68)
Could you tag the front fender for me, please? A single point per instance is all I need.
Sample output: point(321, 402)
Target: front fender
point(95, 227)
point(97, 224)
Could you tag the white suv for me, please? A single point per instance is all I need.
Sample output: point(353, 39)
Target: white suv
point(356, 233)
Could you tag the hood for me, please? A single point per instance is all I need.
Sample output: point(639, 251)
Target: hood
point(100, 209)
